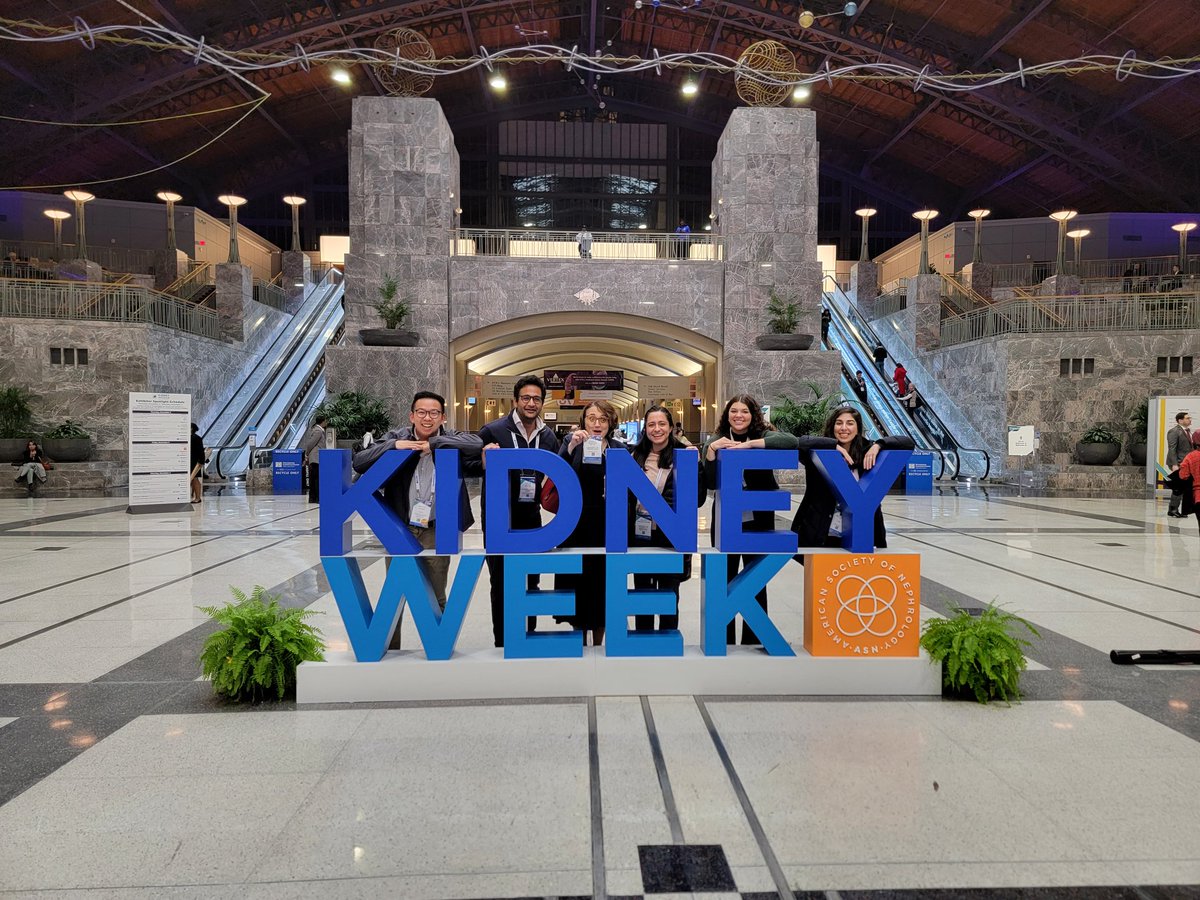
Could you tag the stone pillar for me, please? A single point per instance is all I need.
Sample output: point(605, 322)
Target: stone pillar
point(978, 277)
point(922, 319)
point(235, 291)
point(80, 270)
point(403, 191)
point(864, 286)
point(1059, 286)
point(297, 277)
point(168, 266)
point(765, 190)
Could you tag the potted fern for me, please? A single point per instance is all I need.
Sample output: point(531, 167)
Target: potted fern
point(254, 657)
point(67, 442)
point(981, 655)
point(804, 418)
point(783, 317)
point(1099, 446)
point(16, 421)
point(394, 310)
point(352, 414)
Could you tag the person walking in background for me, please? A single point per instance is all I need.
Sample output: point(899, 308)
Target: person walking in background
point(1179, 445)
point(677, 431)
point(310, 445)
point(1189, 472)
point(900, 376)
point(880, 355)
point(196, 458)
point(584, 240)
point(860, 383)
point(826, 319)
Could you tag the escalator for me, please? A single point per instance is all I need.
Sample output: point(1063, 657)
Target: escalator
point(286, 385)
point(853, 337)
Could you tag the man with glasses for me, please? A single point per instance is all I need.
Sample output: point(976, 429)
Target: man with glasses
point(410, 491)
point(522, 428)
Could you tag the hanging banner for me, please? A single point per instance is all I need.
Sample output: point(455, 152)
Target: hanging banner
point(159, 443)
point(571, 387)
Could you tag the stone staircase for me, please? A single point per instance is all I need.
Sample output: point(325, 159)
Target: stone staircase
point(93, 477)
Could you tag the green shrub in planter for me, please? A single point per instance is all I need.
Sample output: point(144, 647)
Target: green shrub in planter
point(980, 655)
point(69, 430)
point(16, 412)
point(254, 657)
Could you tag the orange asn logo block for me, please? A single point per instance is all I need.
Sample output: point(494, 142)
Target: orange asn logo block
point(862, 604)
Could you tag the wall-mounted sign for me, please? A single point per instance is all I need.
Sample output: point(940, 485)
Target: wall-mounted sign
point(672, 387)
point(572, 387)
point(497, 387)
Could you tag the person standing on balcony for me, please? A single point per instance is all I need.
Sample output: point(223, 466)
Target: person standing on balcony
point(1179, 445)
point(681, 240)
point(584, 240)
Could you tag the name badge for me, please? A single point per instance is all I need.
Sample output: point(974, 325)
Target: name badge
point(593, 450)
point(527, 493)
point(419, 515)
point(642, 526)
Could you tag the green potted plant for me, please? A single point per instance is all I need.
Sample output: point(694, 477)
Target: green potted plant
point(254, 656)
point(16, 421)
point(67, 442)
point(1139, 428)
point(807, 417)
point(394, 310)
point(783, 317)
point(353, 414)
point(1099, 446)
point(981, 655)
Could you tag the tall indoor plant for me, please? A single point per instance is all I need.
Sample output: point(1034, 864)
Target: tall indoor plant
point(783, 318)
point(353, 414)
point(1139, 429)
point(16, 421)
point(394, 309)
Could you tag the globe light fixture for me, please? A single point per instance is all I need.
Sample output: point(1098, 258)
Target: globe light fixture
point(497, 81)
point(1184, 229)
point(233, 201)
point(801, 93)
point(342, 77)
point(170, 198)
point(690, 88)
point(57, 216)
point(865, 214)
point(1062, 217)
point(978, 215)
point(295, 203)
point(1077, 236)
point(80, 198)
point(924, 216)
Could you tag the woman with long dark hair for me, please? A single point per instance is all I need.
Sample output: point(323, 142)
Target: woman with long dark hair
point(32, 463)
point(586, 451)
point(818, 521)
point(742, 426)
point(656, 452)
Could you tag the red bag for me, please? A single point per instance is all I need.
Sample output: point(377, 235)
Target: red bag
point(549, 498)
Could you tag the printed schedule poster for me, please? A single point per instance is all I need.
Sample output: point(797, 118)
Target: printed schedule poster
point(159, 435)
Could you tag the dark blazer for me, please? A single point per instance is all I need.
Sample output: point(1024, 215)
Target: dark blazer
point(754, 480)
point(657, 538)
point(589, 530)
point(815, 514)
point(1179, 445)
point(504, 432)
point(395, 489)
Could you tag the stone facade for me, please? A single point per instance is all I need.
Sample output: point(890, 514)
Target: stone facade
point(922, 318)
point(235, 292)
point(297, 277)
point(864, 286)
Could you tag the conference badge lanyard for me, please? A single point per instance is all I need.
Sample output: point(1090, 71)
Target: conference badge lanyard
point(642, 523)
point(527, 490)
point(422, 510)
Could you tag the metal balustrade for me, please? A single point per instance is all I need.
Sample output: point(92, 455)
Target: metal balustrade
point(270, 294)
point(889, 304)
point(95, 301)
point(118, 259)
point(1174, 311)
point(632, 245)
point(1024, 274)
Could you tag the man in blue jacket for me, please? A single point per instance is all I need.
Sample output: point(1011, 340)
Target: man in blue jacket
point(411, 489)
point(522, 428)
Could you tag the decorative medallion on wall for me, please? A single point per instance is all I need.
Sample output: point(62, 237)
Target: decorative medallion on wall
point(587, 297)
point(404, 44)
point(768, 58)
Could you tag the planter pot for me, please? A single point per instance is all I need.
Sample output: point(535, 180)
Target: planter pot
point(11, 448)
point(1097, 454)
point(68, 449)
point(387, 337)
point(1137, 453)
point(783, 341)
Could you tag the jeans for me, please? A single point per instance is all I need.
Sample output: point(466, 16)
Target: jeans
point(29, 471)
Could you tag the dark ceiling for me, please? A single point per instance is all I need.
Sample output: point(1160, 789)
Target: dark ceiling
point(1089, 140)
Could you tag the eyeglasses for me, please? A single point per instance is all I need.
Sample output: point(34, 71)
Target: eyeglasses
point(530, 398)
point(427, 413)
point(596, 420)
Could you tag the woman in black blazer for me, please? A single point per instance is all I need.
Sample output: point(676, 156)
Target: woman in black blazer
point(655, 454)
point(818, 520)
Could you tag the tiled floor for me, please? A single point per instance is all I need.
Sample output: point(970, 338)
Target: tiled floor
point(120, 776)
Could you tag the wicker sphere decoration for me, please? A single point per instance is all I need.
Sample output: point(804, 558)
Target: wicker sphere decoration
point(411, 45)
point(768, 58)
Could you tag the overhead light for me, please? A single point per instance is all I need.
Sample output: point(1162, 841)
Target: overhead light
point(1063, 215)
point(497, 81)
point(528, 224)
point(764, 265)
point(642, 227)
point(979, 213)
point(924, 215)
point(708, 228)
point(802, 92)
point(341, 76)
point(689, 88)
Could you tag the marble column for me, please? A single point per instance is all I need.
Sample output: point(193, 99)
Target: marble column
point(864, 286)
point(765, 194)
point(235, 291)
point(922, 319)
point(297, 277)
point(81, 270)
point(978, 277)
point(168, 266)
point(1059, 286)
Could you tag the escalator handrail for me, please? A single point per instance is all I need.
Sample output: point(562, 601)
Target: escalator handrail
point(861, 323)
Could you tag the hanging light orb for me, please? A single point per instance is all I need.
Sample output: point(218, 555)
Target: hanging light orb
point(806, 18)
point(764, 58)
point(408, 45)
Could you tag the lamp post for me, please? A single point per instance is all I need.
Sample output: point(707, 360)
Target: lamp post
point(865, 214)
point(80, 198)
point(295, 203)
point(1184, 228)
point(924, 216)
point(1077, 236)
point(170, 198)
point(978, 215)
point(1062, 217)
point(57, 216)
point(233, 201)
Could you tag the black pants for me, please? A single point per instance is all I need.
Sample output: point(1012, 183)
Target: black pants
point(314, 482)
point(657, 583)
point(733, 564)
point(1176, 500)
point(495, 566)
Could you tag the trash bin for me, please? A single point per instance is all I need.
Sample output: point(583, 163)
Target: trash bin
point(287, 472)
